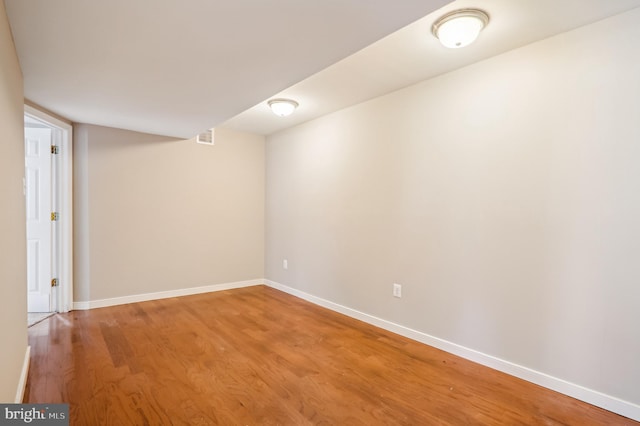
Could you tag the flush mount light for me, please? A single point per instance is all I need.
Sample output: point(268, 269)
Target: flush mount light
point(460, 27)
point(282, 107)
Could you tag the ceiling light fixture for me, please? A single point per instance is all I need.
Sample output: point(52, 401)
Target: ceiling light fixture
point(460, 27)
point(282, 107)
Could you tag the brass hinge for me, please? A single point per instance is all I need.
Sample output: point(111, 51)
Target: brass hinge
point(54, 216)
point(55, 149)
point(54, 282)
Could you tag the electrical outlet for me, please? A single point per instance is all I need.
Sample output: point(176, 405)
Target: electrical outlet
point(285, 264)
point(397, 290)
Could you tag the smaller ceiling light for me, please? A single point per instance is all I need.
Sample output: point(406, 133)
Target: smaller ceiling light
point(460, 27)
point(282, 107)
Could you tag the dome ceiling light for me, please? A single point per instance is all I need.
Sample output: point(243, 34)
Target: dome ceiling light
point(282, 107)
point(460, 27)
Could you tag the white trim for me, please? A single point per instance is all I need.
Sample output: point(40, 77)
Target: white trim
point(22, 383)
point(43, 116)
point(102, 303)
point(65, 275)
point(616, 405)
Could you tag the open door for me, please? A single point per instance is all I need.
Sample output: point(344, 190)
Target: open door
point(39, 218)
point(48, 189)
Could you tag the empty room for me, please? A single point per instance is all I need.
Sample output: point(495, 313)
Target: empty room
point(296, 212)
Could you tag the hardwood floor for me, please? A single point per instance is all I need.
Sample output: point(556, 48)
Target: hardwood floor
point(257, 356)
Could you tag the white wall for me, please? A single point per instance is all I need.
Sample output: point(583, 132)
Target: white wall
point(504, 197)
point(13, 262)
point(153, 213)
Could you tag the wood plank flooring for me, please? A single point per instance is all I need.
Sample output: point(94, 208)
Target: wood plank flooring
point(257, 356)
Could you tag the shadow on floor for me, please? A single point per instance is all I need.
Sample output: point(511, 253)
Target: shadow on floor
point(36, 317)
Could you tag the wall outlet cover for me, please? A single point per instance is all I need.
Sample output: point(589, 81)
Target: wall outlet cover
point(397, 290)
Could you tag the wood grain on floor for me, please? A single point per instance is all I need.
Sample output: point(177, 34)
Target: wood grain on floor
point(257, 356)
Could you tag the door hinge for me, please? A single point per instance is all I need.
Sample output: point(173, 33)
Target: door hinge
point(54, 282)
point(54, 216)
point(55, 149)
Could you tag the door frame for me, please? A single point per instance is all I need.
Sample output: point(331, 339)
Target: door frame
point(63, 137)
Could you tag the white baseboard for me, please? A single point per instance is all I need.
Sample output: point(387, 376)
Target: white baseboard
point(102, 303)
point(22, 383)
point(573, 390)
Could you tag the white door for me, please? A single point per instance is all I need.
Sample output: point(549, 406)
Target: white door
point(39, 229)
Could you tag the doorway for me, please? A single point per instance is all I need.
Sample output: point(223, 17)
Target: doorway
point(48, 197)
